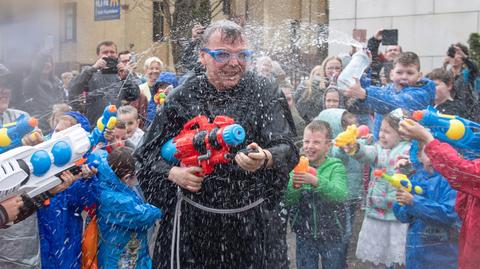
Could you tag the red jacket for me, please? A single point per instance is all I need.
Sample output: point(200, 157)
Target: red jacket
point(464, 176)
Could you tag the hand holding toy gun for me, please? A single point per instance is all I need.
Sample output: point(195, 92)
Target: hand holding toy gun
point(349, 136)
point(204, 144)
point(457, 131)
point(108, 120)
point(303, 167)
point(161, 95)
point(400, 181)
point(11, 134)
point(32, 170)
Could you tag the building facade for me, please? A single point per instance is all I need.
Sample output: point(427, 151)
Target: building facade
point(427, 27)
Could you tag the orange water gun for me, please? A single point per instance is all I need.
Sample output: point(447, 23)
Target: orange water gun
point(303, 167)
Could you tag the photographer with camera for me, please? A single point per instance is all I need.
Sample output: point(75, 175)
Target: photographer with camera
point(465, 71)
point(87, 90)
point(383, 62)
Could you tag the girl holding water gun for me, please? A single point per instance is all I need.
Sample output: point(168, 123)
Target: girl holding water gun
point(382, 237)
point(464, 176)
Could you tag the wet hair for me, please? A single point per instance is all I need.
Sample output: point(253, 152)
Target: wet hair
point(320, 126)
point(463, 47)
point(106, 44)
point(443, 75)
point(124, 52)
point(308, 83)
point(120, 124)
point(149, 61)
point(395, 117)
point(121, 161)
point(128, 109)
point(230, 31)
point(58, 109)
point(347, 119)
point(408, 58)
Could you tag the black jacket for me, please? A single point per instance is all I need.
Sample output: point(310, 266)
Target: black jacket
point(239, 238)
point(96, 85)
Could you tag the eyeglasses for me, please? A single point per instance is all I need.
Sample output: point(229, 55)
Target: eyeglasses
point(223, 56)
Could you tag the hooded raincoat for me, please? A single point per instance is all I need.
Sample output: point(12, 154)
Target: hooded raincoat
point(432, 239)
point(212, 240)
point(123, 221)
point(384, 100)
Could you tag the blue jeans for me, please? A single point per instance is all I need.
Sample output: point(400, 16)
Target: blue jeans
point(308, 251)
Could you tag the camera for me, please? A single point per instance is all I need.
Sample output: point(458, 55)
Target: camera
point(111, 65)
point(451, 51)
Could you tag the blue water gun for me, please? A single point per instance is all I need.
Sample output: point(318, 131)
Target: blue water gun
point(108, 120)
point(11, 134)
point(457, 131)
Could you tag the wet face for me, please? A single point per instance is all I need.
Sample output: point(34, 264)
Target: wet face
point(442, 91)
point(388, 137)
point(315, 145)
point(108, 51)
point(392, 52)
point(124, 58)
point(332, 99)
point(333, 68)
point(64, 122)
point(405, 75)
point(226, 75)
point(119, 138)
point(5, 95)
point(265, 68)
point(130, 121)
point(153, 72)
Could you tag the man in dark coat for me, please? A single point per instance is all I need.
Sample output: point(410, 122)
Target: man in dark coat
point(95, 81)
point(252, 183)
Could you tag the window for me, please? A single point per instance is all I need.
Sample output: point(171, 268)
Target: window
point(71, 22)
point(157, 21)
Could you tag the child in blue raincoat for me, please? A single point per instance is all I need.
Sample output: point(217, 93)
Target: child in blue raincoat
point(123, 217)
point(408, 91)
point(432, 239)
point(60, 223)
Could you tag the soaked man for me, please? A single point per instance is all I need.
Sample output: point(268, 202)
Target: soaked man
point(250, 184)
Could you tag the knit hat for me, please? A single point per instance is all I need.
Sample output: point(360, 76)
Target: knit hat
point(80, 119)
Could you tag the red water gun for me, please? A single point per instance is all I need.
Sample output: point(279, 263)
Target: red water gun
point(204, 144)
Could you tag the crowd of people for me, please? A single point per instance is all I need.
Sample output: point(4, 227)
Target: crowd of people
point(150, 213)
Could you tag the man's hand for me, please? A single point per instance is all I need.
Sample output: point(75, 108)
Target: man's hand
point(100, 63)
point(305, 178)
point(68, 178)
point(197, 31)
point(254, 160)
point(189, 178)
point(355, 91)
point(33, 138)
point(404, 197)
point(12, 205)
point(413, 130)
